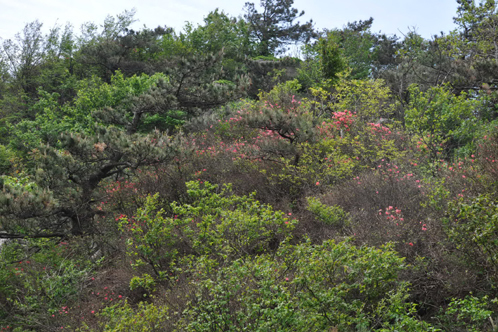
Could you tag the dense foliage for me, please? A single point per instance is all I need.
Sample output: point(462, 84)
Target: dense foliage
point(202, 181)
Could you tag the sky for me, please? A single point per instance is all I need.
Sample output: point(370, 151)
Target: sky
point(428, 17)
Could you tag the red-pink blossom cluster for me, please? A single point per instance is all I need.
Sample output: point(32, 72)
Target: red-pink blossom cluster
point(343, 119)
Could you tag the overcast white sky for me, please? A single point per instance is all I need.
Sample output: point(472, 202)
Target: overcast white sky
point(390, 16)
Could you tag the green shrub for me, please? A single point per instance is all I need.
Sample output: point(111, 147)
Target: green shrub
point(7, 158)
point(146, 317)
point(303, 288)
point(145, 282)
point(472, 227)
point(40, 280)
point(441, 119)
point(330, 215)
point(471, 313)
point(216, 224)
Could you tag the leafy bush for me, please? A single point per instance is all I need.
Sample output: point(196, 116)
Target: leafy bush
point(146, 317)
point(370, 100)
point(472, 227)
point(487, 158)
point(40, 280)
point(441, 119)
point(7, 158)
point(303, 288)
point(470, 313)
point(331, 215)
point(216, 224)
point(282, 95)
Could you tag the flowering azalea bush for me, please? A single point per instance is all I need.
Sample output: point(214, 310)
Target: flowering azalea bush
point(343, 120)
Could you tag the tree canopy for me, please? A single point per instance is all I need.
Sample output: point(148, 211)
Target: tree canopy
point(274, 26)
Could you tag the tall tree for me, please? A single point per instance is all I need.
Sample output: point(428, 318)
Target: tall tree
point(358, 46)
point(32, 61)
point(274, 27)
point(102, 50)
point(475, 46)
point(72, 149)
point(31, 54)
point(61, 193)
point(221, 33)
point(24, 55)
point(218, 32)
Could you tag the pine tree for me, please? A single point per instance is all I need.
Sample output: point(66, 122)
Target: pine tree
point(66, 172)
point(274, 27)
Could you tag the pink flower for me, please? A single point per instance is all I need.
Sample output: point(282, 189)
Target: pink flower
point(317, 183)
point(411, 244)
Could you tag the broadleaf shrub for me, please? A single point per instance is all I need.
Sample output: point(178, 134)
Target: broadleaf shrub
point(215, 223)
point(303, 288)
